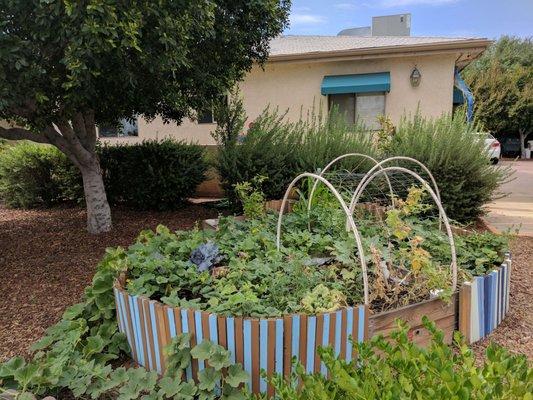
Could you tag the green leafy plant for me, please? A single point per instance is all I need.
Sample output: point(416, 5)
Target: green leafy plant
point(402, 370)
point(452, 151)
point(409, 258)
point(251, 196)
point(70, 67)
point(281, 149)
point(78, 354)
point(34, 175)
point(148, 175)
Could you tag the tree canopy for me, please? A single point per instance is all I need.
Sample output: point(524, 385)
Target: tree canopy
point(502, 84)
point(67, 66)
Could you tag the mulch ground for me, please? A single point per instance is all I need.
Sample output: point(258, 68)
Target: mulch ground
point(47, 259)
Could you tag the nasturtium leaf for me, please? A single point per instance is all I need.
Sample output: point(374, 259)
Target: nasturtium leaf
point(232, 393)
point(74, 311)
point(236, 375)
point(26, 396)
point(169, 386)
point(208, 378)
point(203, 351)
point(220, 358)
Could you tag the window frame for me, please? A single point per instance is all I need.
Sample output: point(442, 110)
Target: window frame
point(211, 113)
point(117, 135)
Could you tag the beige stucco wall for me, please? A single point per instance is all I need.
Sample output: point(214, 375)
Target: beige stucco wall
point(296, 86)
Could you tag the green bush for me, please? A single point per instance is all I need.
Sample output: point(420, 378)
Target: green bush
point(281, 150)
point(457, 158)
point(149, 175)
point(152, 174)
point(402, 370)
point(34, 175)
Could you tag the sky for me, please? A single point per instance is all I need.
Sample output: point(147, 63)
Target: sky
point(459, 18)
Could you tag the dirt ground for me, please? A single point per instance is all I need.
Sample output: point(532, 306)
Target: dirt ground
point(47, 258)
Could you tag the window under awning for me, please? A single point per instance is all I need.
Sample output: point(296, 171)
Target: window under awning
point(360, 83)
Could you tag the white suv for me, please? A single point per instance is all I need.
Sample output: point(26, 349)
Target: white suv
point(493, 147)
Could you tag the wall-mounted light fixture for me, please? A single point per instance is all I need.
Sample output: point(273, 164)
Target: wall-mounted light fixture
point(416, 76)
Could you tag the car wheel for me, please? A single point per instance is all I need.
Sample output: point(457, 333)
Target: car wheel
point(494, 161)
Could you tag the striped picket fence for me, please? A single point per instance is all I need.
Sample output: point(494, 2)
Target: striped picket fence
point(257, 344)
point(484, 302)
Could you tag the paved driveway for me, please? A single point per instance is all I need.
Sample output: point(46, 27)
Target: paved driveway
point(516, 209)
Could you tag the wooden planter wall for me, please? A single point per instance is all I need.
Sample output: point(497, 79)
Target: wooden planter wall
point(257, 344)
point(438, 311)
point(484, 302)
point(269, 344)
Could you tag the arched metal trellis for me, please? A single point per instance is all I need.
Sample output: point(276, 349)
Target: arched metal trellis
point(349, 217)
point(379, 165)
point(333, 162)
point(442, 213)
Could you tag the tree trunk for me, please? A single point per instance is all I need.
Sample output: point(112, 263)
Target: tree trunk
point(98, 211)
point(523, 137)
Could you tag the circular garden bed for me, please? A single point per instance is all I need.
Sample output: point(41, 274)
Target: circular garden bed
point(269, 298)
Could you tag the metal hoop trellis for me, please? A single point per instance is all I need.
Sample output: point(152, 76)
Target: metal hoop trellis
point(380, 166)
point(334, 161)
point(442, 213)
point(346, 210)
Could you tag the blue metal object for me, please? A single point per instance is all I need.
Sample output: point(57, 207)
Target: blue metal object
point(457, 96)
point(467, 95)
point(360, 83)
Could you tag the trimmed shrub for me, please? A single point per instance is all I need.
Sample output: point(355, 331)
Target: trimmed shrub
point(457, 158)
point(149, 175)
point(33, 175)
point(153, 174)
point(281, 150)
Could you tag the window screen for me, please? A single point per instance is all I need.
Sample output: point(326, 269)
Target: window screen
point(206, 117)
point(368, 107)
point(345, 105)
point(364, 108)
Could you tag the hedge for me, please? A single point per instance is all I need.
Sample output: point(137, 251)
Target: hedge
point(149, 175)
point(154, 175)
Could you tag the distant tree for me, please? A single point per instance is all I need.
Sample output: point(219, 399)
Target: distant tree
point(502, 84)
point(68, 66)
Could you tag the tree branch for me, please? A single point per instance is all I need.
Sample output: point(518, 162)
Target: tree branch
point(90, 129)
point(22, 134)
point(83, 155)
point(78, 124)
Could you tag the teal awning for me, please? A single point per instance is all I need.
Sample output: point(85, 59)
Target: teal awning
point(360, 83)
point(458, 97)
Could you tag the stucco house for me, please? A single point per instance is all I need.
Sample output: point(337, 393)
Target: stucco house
point(363, 76)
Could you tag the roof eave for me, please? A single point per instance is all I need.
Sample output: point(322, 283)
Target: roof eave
point(476, 45)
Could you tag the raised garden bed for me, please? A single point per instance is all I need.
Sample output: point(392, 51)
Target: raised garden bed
point(267, 300)
point(255, 343)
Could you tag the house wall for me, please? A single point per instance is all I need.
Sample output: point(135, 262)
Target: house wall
point(295, 86)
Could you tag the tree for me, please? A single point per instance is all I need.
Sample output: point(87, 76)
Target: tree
point(68, 66)
point(502, 83)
